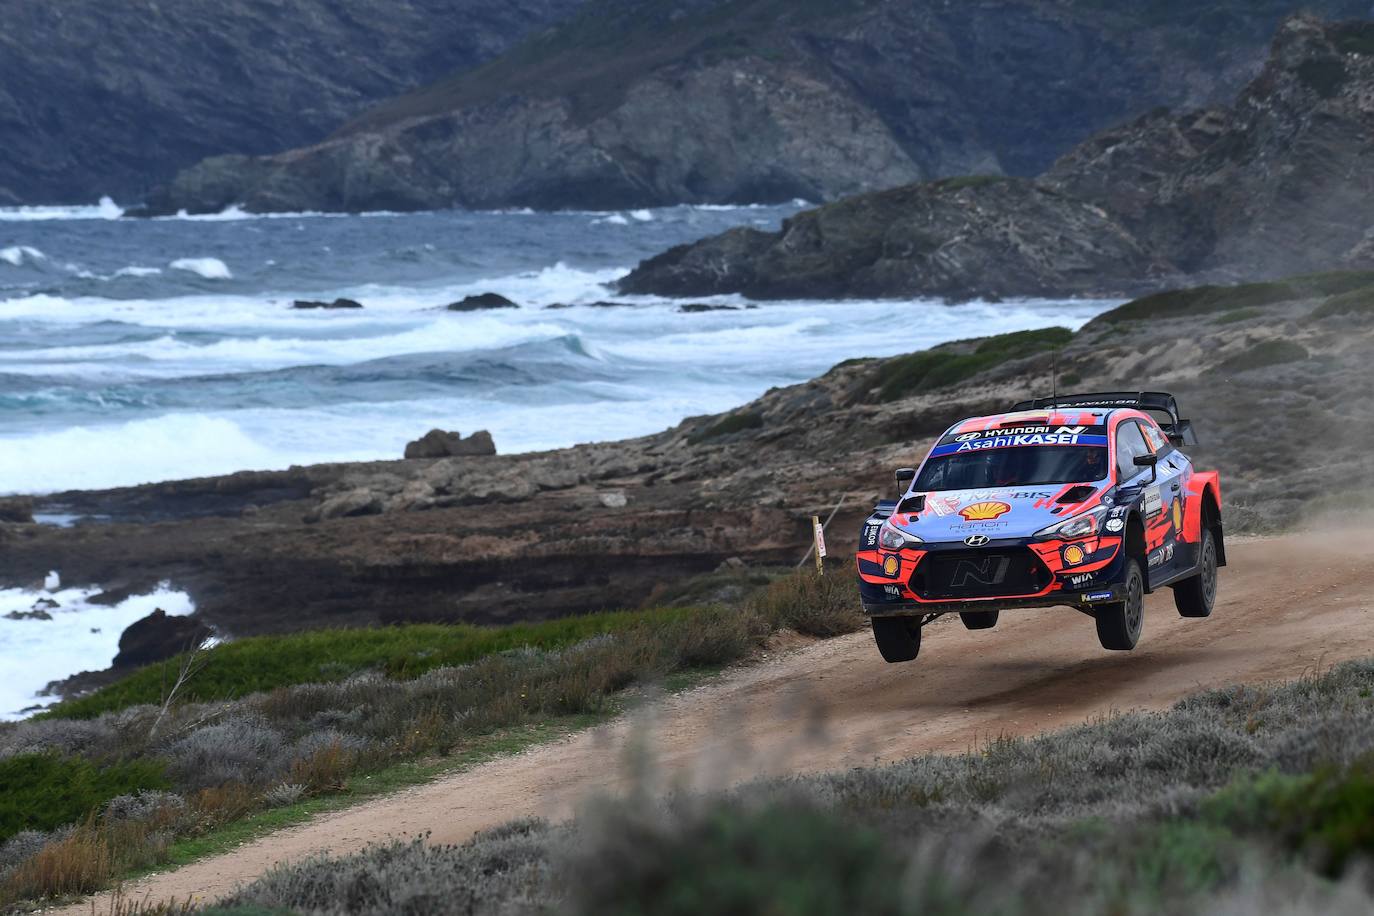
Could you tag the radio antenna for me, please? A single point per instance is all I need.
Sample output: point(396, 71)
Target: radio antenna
point(1054, 377)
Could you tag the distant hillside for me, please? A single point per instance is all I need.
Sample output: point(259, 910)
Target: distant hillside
point(1277, 182)
point(100, 97)
point(666, 101)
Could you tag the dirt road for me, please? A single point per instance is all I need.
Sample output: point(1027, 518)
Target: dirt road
point(1287, 606)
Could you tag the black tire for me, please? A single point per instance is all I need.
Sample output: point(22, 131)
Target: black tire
point(979, 620)
point(1119, 623)
point(898, 638)
point(1195, 595)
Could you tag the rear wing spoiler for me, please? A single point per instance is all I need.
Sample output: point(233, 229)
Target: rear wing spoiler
point(1179, 431)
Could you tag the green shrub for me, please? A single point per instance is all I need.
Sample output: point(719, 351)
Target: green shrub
point(730, 423)
point(815, 605)
point(1334, 282)
point(1201, 299)
point(46, 791)
point(1327, 815)
point(1358, 301)
point(932, 369)
point(1237, 315)
point(262, 663)
point(1266, 353)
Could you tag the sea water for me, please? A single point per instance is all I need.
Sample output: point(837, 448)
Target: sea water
point(134, 351)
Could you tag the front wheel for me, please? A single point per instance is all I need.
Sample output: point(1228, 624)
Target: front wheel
point(898, 638)
point(1119, 623)
point(1195, 595)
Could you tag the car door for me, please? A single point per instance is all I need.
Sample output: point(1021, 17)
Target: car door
point(1174, 471)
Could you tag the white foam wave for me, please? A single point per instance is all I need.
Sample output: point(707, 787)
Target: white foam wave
point(209, 268)
point(135, 271)
point(105, 209)
point(141, 451)
point(80, 637)
point(235, 213)
point(643, 216)
point(16, 255)
point(615, 219)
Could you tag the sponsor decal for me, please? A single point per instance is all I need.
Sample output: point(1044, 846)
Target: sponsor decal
point(892, 591)
point(1073, 555)
point(892, 566)
point(1098, 596)
point(977, 540)
point(1080, 580)
point(943, 505)
point(1178, 515)
point(1001, 440)
point(979, 526)
point(987, 571)
point(1115, 524)
point(1160, 555)
point(1150, 503)
point(870, 535)
point(984, 512)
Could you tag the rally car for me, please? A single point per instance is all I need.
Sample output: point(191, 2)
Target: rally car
point(1084, 501)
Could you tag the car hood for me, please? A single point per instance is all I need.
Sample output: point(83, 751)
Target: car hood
point(1018, 512)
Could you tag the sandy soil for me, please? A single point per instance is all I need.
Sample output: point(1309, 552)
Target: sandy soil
point(1288, 606)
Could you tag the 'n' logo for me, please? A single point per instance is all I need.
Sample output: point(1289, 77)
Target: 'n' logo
point(987, 571)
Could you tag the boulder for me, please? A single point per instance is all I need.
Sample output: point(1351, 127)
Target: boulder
point(482, 302)
point(438, 443)
point(318, 304)
point(158, 636)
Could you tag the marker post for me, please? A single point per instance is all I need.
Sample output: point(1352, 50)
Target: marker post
point(819, 537)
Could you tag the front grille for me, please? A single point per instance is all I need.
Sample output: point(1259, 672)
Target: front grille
point(980, 574)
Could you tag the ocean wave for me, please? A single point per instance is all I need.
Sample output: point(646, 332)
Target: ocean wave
point(141, 451)
point(209, 268)
point(17, 255)
point(235, 213)
point(106, 209)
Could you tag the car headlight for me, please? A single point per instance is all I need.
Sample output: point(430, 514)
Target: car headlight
point(890, 537)
point(1081, 525)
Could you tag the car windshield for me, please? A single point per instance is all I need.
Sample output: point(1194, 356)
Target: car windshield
point(1013, 467)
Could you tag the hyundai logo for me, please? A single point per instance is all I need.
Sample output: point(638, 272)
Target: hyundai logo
point(977, 540)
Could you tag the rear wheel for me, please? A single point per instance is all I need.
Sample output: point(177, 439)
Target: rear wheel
point(898, 638)
point(1119, 623)
point(1195, 595)
point(979, 620)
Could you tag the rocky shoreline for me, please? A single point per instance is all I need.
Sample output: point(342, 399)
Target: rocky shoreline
point(1210, 195)
point(1264, 371)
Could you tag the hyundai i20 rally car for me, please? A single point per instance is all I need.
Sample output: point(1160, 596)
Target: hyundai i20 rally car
point(1082, 500)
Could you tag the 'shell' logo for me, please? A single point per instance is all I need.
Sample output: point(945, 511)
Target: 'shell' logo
point(987, 571)
point(984, 512)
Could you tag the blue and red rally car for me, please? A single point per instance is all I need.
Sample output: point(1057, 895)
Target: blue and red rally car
point(1080, 500)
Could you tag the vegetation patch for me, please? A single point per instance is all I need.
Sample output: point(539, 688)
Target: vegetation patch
point(1359, 301)
point(903, 376)
point(959, 182)
point(45, 791)
point(1202, 299)
point(1262, 355)
point(730, 423)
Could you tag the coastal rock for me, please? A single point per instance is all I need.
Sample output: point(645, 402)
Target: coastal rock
point(36, 613)
point(956, 238)
point(440, 444)
point(481, 302)
point(708, 102)
point(317, 304)
point(1200, 195)
point(158, 636)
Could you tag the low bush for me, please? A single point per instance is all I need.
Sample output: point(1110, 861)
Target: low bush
point(813, 604)
point(46, 791)
point(1266, 353)
point(731, 423)
point(1359, 301)
point(932, 369)
point(1201, 299)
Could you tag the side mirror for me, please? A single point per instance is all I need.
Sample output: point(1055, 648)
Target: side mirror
point(1148, 461)
point(904, 478)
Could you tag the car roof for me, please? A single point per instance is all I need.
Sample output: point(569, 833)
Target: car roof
point(1071, 416)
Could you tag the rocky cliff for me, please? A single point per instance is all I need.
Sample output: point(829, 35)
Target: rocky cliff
point(112, 98)
point(649, 102)
point(1277, 182)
